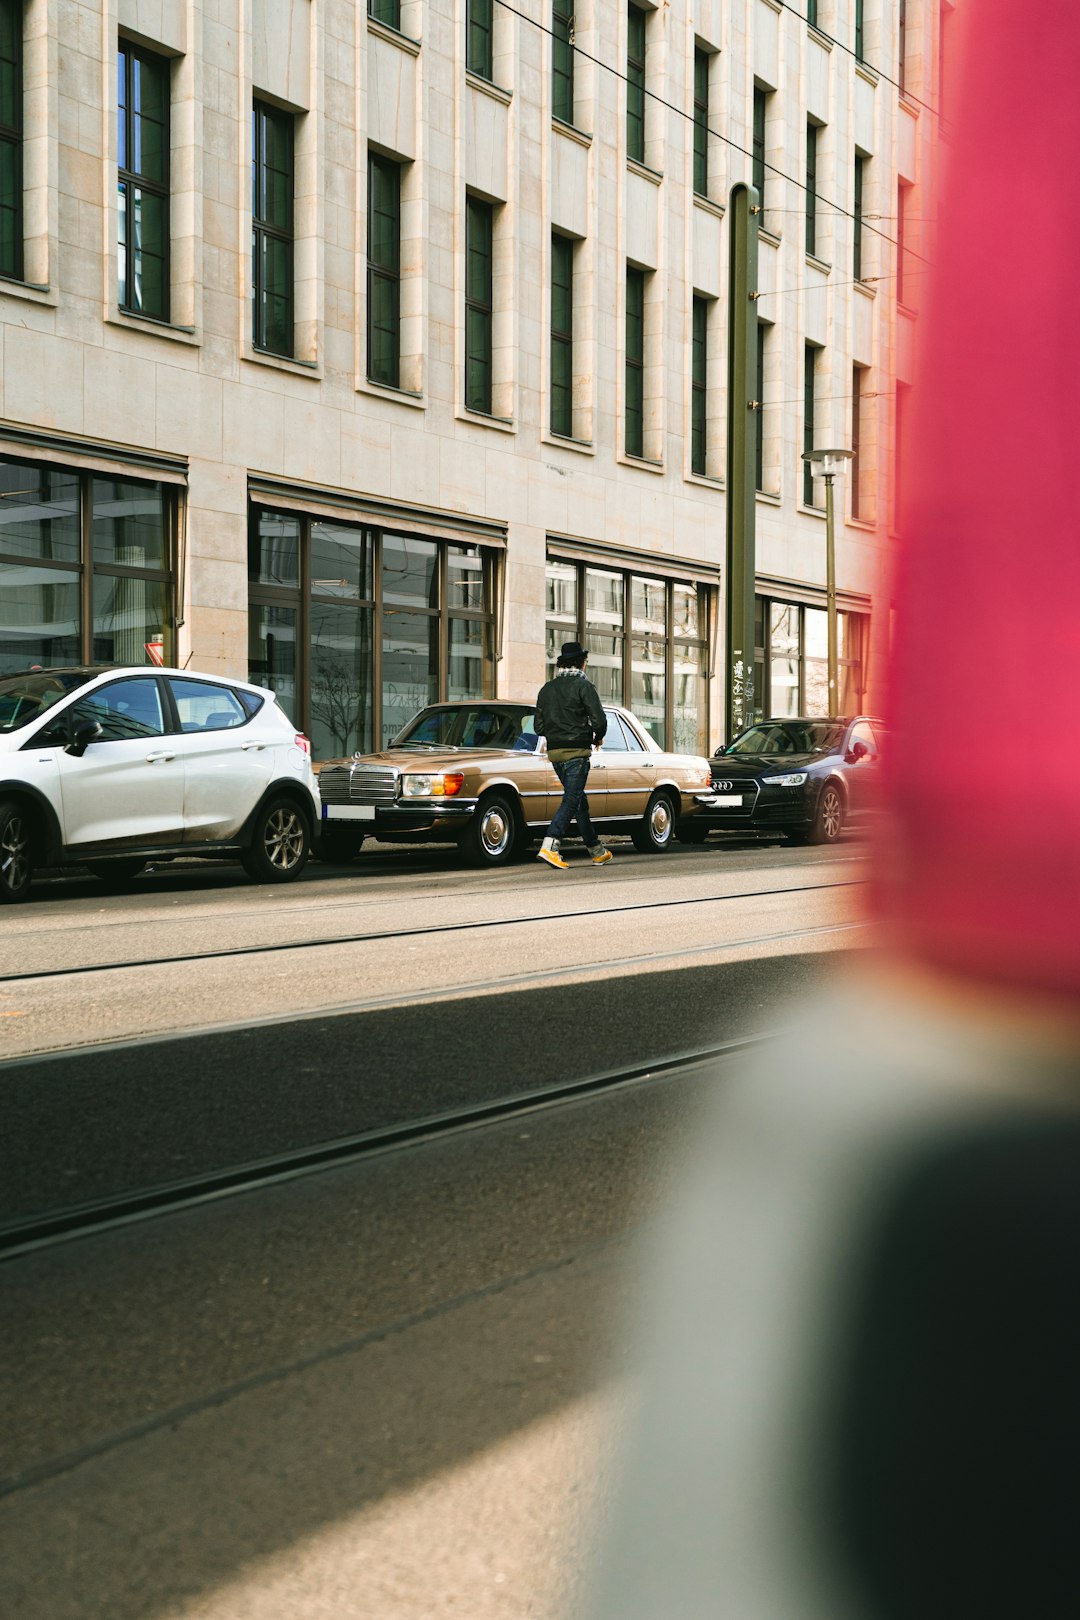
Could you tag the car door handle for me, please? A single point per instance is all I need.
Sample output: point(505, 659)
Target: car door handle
point(153, 759)
point(251, 747)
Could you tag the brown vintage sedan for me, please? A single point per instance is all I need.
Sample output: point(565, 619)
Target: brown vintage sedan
point(477, 773)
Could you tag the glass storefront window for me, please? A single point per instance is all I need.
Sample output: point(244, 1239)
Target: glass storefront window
point(272, 640)
point(464, 579)
point(340, 674)
point(784, 659)
point(688, 734)
point(128, 523)
point(684, 611)
point(129, 614)
point(410, 573)
point(815, 661)
point(604, 598)
point(39, 617)
point(274, 550)
point(39, 511)
point(648, 686)
point(562, 609)
point(341, 561)
point(410, 667)
point(469, 659)
point(797, 657)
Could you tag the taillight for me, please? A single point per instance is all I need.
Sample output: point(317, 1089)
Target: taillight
point(302, 742)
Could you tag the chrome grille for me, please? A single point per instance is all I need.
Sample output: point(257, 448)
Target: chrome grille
point(358, 784)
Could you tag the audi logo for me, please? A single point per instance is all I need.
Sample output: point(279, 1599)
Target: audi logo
point(724, 787)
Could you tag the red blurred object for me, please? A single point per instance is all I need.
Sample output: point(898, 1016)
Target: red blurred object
point(987, 648)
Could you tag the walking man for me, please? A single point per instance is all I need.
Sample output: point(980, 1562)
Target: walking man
point(570, 715)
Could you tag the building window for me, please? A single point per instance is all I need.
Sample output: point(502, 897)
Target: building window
point(792, 660)
point(901, 209)
point(480, 38)
point(386, 11)
point(635, 362)
point(701, 122)
point(856, 436)
point(857, 221)
point(812, 12)
point(810, 354)
point(811, 189)
point(86, 567)
point(479, 283)
point(272, 167)
point(757, 174)
point(901, 44)
point(699, 388)
point(860, 31)
point(357, 628)
point(562, 336)
point(647, 640)
point(11, 139)
point(759, 414)
point(899, 452)
point(143, 182)
point(635, 83)
point(562, 60)
point(384, 271)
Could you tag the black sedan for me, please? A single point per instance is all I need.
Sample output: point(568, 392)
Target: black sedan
point(807, 779)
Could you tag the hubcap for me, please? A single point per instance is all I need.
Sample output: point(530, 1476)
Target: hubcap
point(14, 859)
point(284, 841)
point(660, 821)
point(494, 830)
point(831, 813)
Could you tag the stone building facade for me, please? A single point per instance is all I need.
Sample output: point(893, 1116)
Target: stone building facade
point(373, 353)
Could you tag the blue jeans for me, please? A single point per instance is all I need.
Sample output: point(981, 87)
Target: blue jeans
point(573, 774)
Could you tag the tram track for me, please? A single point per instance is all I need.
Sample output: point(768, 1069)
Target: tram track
point(457, 926)
point(46, 1230)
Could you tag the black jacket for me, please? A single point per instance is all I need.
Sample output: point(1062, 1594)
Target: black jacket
point(569, 712)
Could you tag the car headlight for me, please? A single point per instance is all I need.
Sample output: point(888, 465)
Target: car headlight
point(439, 785)
point(793, 779)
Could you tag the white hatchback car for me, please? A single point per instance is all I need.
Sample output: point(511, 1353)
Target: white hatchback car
point(107, 768)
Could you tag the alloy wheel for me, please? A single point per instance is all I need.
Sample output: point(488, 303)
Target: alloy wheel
point(284, 839)
point(832, 814)
point(14, 855)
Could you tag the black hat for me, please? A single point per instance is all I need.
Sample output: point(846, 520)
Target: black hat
point(572, 653)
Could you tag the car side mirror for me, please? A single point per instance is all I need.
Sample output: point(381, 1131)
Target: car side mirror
point(856, 752)
point(86, 733)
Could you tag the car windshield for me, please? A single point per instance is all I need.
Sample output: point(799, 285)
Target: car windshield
point(473, 725)
point(24, 697)
point(790, 737)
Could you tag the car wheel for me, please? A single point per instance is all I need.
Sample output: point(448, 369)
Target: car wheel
point(692, 832)
point(280, 843)
point(653, 834)
point(491, 835)
point(16, 854)
point(339, 846)
point(829, 819)
point(119, 871)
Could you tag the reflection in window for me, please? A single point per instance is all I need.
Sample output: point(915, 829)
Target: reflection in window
point(604, 626)
point(468, 657)
point(124, 710)
point(340, 671)
point(409, 571)
point(648, 656)
point(795, 654)
point(272, 651)
point(410, 666)
point(341, 561)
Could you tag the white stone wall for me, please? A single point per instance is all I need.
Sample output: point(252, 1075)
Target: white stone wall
point(75, 365)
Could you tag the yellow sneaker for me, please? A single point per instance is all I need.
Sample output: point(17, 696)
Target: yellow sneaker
point(601, 857)
point(553, 858)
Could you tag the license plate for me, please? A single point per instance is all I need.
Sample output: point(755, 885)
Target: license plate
point(726, 798)
point(348, 812)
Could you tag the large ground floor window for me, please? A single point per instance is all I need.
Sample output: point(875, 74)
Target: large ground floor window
point(647, 639)
point(86, 567)
point(791, 654)
point(356, 628)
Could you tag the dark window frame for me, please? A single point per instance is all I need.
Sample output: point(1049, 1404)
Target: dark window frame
point(131, 180)
point(384, 272)
point(699, 387)
point(265, 230)
point(479, 303)
point(810, 359)
point(901, 44)
point(11, 138)
point(480, 38)
point(856, 438)
point(759, 414)
point(562, 61)
point(302, 595)
point(757, 162)
point(386, 11)
point(702, 75)
point(562, 336)
point(811, 188)
point(637, 46)
point(860, 31)
point(857, 216)
point(634, 368)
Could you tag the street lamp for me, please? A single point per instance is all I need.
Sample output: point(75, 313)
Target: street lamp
point(827, 463)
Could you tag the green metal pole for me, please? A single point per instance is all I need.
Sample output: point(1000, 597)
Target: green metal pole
point(744, 211)
point(830, 592)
